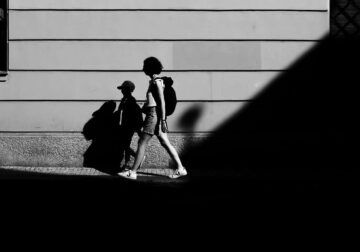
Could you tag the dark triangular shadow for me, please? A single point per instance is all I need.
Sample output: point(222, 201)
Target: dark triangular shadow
point(300, 127)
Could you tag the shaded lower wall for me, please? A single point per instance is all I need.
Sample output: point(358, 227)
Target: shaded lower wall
point(67, 150)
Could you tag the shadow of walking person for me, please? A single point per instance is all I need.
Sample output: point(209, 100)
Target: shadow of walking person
point(189, 119)
point(103, 130)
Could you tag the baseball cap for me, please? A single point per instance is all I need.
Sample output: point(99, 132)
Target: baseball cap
point(127, 85)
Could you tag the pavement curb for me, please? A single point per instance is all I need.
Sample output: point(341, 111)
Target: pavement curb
point(79, 171)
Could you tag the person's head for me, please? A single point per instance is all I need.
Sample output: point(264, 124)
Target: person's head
point(127, 87)
point(152, 66)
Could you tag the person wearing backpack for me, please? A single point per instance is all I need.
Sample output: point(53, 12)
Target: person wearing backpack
point(155, 121)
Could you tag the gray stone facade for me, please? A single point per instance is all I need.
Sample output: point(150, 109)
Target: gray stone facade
point(67, 149)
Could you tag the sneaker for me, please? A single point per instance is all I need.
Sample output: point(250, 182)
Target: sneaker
point(128, 174)
point(178, 173)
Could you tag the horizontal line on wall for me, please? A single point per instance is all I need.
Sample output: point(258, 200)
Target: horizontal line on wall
point(79, 132)
point(35, 132)
point(178, 10)
point(104, 100)
point(124, 71)
point(170, 40)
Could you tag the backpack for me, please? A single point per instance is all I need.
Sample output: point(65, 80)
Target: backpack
point(169, 95)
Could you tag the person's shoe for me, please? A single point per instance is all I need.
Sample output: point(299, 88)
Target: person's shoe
point(178, 173)
point(128, 174)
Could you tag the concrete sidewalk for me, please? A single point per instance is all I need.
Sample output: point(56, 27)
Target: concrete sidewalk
point(204, 181)
point(86, 188)
point(79, 171)
point(156, 175)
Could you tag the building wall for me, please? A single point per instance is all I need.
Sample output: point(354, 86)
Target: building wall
point(67, 57)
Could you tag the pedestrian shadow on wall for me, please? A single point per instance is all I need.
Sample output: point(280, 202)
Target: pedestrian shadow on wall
point(104, 152)
point(189, 119)
point(301, 126)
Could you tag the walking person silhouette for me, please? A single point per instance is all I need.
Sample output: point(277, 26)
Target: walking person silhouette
point(155, 121)
point(130, 120)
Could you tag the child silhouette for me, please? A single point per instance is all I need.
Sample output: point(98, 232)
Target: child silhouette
point(130, 119)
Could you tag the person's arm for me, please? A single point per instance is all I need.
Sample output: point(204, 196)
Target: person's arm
point(160, 91)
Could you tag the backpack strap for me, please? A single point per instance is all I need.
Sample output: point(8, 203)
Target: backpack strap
point(159, 78)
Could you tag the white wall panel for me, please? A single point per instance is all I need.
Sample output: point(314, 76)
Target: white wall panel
point(281, 55)
point(167, 25)
point(102, 85)
point(170, 4)
point(71, 116)
point(120, 55)
point(106, 21)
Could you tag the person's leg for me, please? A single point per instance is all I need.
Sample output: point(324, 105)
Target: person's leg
point(139, 156)
point(128, 151)
point(164, 141)
point(180, 170)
